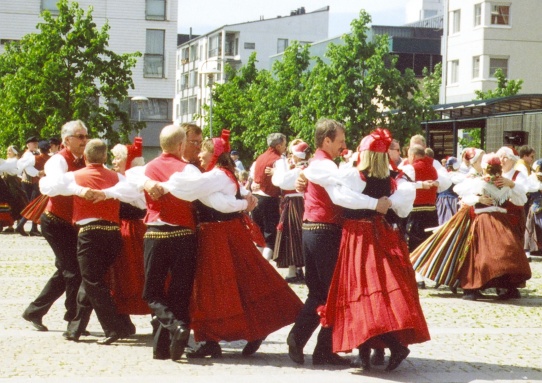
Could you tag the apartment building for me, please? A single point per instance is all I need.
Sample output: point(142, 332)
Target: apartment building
point(201, 60)
point(483, 36)
point(418, 10)
point(147, 26)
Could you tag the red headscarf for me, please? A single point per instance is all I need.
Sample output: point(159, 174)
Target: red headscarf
point(134, 151)
point(221, 145)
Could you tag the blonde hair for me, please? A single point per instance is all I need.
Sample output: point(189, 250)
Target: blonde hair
point(120, 151)
point(96, 151)
point(375, 164)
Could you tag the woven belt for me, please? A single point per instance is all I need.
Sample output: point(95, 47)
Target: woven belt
point(90, 227)
point(55, 219)
point(319, 226)
point(424, 208)
point(168, 234)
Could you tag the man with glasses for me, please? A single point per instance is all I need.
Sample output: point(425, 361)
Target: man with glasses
point(58, 230)
point(394, 152)
point(194, 139)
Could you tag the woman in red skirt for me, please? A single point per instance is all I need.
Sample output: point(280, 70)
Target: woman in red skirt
point(237, 294)
point(373, 300)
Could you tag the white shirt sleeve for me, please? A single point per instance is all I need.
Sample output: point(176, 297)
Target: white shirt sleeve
point(64, 185)
point(347, 191)
point(125, 191)
point(403, 198)
point(224, 203)
point(55, 168)
point(284, 177)
point(322, 172)
point(136, 176)
point(191, 184)
point(26, 163)
point(444, 180)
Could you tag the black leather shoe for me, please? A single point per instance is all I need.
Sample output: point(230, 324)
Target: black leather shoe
point(209, 348)
point(377, 358)
point(34, 233)
point(421, 285)
point(331, 359)
point(472, 295)
point(295, 352)
point(38, 325)
point(21, 231)
point(179, 340)
point(396, 357)
point(111, 338)
point(512, 293)
point(68, 335)
point(251, 347)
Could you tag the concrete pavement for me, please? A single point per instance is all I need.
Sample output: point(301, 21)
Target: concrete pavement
point(482, 341)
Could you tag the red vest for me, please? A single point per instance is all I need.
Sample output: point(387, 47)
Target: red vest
point(318, 205)
point(95, 176)
point(168, 208)
point(425, 171)
point(62, 206)
point(266, 159)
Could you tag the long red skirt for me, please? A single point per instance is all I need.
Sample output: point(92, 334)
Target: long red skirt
point(495, 257)
point(127, 275)
point(373, 290)
point(237, 293)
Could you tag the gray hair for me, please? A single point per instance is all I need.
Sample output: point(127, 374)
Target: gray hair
point(96, 151)
point(120, 150)
point(69, 128)
point(275, 139)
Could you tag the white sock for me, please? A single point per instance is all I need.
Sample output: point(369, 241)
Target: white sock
point(267, 253)
point(292, 272)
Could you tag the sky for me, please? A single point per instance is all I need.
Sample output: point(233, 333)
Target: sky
point(206, 15)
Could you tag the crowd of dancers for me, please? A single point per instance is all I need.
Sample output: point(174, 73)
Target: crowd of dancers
point(188, 238)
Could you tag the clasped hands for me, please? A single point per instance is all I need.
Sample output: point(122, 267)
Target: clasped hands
point(92, 195)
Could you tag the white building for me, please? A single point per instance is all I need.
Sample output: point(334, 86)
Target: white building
point(482, 36)
point(203, 58)
point(418, 10)
point(147, 26)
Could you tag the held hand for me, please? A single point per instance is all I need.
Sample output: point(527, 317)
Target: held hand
point(269, 171)
point(255, 187)
point(252, 203)
point(99, 196)
point(383, 205)
point(301, 183)
point(87, 193)
point(486, 200)
point(154, 189)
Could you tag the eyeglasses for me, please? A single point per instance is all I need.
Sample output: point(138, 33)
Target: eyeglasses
point(195, 142)
point(393, 149)
point(81, 136)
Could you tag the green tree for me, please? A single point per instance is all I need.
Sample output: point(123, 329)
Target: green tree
point(61, 74)
point(428, 94)
point(504, 88)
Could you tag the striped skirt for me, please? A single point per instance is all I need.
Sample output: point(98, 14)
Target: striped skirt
point(288, 249)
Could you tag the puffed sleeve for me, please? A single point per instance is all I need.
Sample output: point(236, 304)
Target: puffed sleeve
point(347, 191)
point(26, 163)
point(402, 200)
point(283, 176)
point(191, 184)
point(519, 194)
point(55, 168)
point(124, 191)
point(224, 203)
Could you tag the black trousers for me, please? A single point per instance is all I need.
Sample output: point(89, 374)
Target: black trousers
point(417, 222)
point(321, 250)
point(267, 216)
point(32, 191)
point(169, 251)
point(98, 246)
point(62, 237)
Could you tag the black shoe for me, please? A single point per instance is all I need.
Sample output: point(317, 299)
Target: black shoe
point(292, 279)
point(377, 358)
point(295, 352)
point(511, 293)
point(472, 295)
point(38, 325)
point(9, 230)
point(251, 347)
point(363, 360)
point(21, 231)
point(209, 348)
point(109, 339)
point(34, 233)
point(396, 357)
point(421, 285)
point(85, 333)
point(332, 359)
point(73, 336)
point(179, 340)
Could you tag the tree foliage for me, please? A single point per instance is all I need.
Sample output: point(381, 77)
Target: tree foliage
point(428, 94)
point(359, 82)
point(504, 88)
point(61, 74)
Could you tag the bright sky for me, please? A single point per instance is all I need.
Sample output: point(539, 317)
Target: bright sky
point(206, 15)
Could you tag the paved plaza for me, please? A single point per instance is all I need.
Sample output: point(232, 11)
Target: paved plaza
point(482, 341)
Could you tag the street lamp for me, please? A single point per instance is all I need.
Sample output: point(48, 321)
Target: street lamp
point(210, 81)
point(139, 100)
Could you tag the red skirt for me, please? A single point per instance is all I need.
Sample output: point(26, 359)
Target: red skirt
point(35, 208)
point(495, 257)
point(127, 275)
point(373, 290)
point(237, 293)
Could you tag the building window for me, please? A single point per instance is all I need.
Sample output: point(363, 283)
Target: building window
point(250, 45)
point(477, 15)
point(231, 48)
point(154, 54)
point(495, 64)
point(155, 10)
point(456, 21)
point(428, 13)
point(184, 107)
point(454, 71)
point(184, 81)
point(185, 55)
point(192, 105)
point(193, 79)
point(282, 44)
point(215, 46)
point(476, 67)
point(500, 15)
point(49, 5)
point(193, 52)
